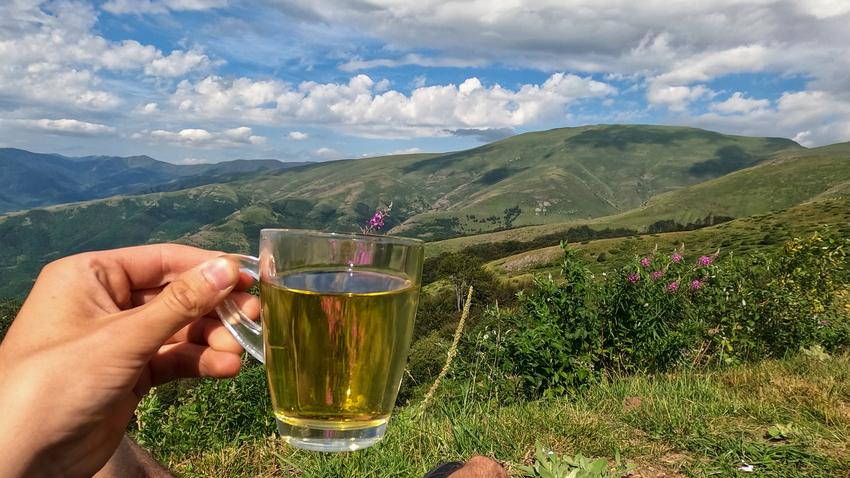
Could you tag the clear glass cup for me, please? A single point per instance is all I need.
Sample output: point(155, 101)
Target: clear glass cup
point(337, 315)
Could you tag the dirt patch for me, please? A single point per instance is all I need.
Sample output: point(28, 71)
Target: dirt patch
point(666, 466)
point(532, 259)
point(632, 403)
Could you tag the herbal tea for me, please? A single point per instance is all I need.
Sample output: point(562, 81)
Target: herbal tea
point(336, 344)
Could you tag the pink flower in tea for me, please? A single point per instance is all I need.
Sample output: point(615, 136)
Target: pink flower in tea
point(656, 275)
point(696, 284)
point(645, 262)
point(676, 257)
point(705, 260)
point(673, 286)
point(633, 278)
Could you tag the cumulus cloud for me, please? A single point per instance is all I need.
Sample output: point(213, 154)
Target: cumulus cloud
point(51, 57)
point(178, 63)
point(297, 135)
point(326, 153)
point(738, 103)
point(676, 98)
point(201, 138)
point(672, 50)
point(361, 106)
point(65, 126)
point(810, 117)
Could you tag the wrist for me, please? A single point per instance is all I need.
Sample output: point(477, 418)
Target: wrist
point(23, 452)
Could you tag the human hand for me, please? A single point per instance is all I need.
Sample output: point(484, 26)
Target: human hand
point(96, 332)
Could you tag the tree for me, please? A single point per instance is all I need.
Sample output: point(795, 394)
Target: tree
point(463, 270)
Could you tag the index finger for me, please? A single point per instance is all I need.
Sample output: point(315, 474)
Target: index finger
point(154, 265)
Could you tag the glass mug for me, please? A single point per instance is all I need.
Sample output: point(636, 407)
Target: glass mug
point(336, 323)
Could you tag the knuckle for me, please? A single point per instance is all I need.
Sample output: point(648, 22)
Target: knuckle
point(182, 299)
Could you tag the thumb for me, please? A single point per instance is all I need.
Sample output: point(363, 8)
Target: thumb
point(191, 296)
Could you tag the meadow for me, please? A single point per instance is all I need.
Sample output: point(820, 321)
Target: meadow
point(742, 363)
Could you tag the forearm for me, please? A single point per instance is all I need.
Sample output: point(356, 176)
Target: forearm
point(131, 461)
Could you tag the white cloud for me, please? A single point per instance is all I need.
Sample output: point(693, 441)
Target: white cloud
point(405, 151)
point(119, 7)
point(149, 108)
point(297, 135)
point(178, 63)
point(810, 117)
point(65, 127)
point(327, 153)
point(738, 103)
point(197, 137)
point(192, 161)
point(676, 98)
point(361, 106)
point(51, 59)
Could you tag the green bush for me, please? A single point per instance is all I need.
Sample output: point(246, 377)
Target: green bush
point(213, 414)
point(425, 360)
point(553, 343)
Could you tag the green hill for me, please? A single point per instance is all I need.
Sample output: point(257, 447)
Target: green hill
point(788, 179)
point(569, 174)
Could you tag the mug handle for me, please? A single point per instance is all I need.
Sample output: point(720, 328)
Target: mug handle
point(247, 332)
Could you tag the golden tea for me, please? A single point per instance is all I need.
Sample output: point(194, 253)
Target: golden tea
point(336, 343)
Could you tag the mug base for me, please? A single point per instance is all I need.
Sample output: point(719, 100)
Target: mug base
point(330, 440)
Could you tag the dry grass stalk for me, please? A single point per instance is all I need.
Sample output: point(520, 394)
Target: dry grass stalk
point(452, 352)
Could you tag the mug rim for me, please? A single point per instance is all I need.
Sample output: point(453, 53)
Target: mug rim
point(408, 241)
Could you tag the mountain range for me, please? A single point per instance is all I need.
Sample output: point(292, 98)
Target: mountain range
point(33, 179)
point(598, 176)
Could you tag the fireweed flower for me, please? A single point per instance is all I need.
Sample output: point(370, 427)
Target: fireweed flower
point(705, 260)
point(676, 257)
point(376, 222)
point(633, 278)
point(645, 262)
point(656, 275)
point(673, 286)
point(696, 284)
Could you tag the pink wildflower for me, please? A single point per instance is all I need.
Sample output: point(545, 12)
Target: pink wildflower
point(633, 278)
point(705, 260)
point(657, 275)
point(673, 286)
point(676, 257)
point(696, 284)
point(377, 221)
point(645, 262)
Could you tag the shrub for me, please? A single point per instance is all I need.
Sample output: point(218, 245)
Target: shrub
point(424, 362)
point(553, 343)
point(211, 415)
point(647, 313)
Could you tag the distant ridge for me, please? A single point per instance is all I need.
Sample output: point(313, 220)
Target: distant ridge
point(35, 179)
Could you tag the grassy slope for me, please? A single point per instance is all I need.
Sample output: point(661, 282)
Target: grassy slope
point(739, 236)
point(671, 425)
point(789, 179)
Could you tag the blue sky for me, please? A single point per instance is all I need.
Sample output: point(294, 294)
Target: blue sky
point(192, 81)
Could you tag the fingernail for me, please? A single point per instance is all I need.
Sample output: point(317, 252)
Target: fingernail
point(218, 273)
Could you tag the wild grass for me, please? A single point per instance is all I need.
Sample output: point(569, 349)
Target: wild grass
point(680, 424)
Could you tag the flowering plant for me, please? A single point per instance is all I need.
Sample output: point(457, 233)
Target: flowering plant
point(376, 222)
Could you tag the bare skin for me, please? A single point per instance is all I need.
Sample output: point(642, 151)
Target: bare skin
point(95, 334)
